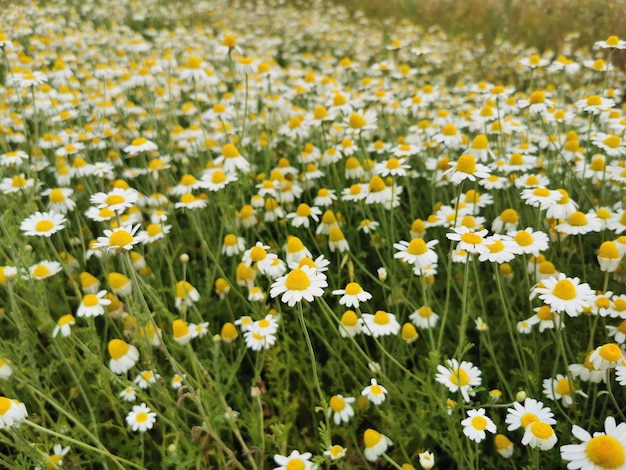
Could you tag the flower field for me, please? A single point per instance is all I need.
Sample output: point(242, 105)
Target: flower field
point(254, 236)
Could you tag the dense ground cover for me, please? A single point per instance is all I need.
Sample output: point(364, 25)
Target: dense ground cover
point(263, 237)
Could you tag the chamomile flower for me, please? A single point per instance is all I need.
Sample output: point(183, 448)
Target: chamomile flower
point(350, 324)
point(116, 200)
point(380, 324)
point(123, 356)
point(146, 378)
point(352, 295)
point(540, 435)
point(141, 418)
point(424, 317)
point(466, 168)
point(529, 242)
point(607, 356)
point(564, 294)
point(605, 450)
point(120, 239)
point(520, 416)
point(340, 408)
point(295, 460)
point(44, 269)
point(461, 377)
point(417, 252)
point(469, 240)
point(376, 444)
point(559, 388)
point(12, 412)
point(93, 305)
point(476, 424)
point(375, 393)
point(43, 224)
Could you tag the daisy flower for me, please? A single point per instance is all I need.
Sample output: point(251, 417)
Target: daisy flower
point(350, 324)
point(44, 269)
point(605, 450)
point(376, 444)
point(129, 394)
point(302, 215)
point(140, 144)
point(424, 317)
point(380, 324)
point(469, 240)
point(120, 239)
point(459, 377)
point(520, 416)
point(294, 460)
point(559, 388)
point(417, 252)
point(352, 295)
point(141, 418)
point(530, 242)
point(339, 407)
point(612, 42)
point(258, 341)
point(146, 378)
point(93, 305)
point(301, 283)
point(476, 423)
point(466, 168)
point(123, 356)
point(12, 412)
point(499, 249)
point(579, 224)
point(617, 332)
point(375, 393)
point(539, 435)
point(43, 224)
point(564, 294)
point(504, 446)
point(427, 460)
point(586, 371)
point(607, 356)
point(60, 201)
point(232, 159)
point(116, 200)
point(541, 197)
point(336, 452)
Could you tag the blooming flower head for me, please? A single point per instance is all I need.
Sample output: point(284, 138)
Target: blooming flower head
point(520, 416)
point(424, 317)
point(559, 388)
point(120, 239)
point(376, 444)
point(295, 460)
point(352, 295)
point(417, 252)
point(564, 294)
point(380, 324)
point(93, 305)
point(12, 412)
point(466, 168)
point(300, 283)
point(476, 423)
point(43, 224)
point(123, 356)
point(375, 393)
point(339, 407)
point(504, 446)
point(426, 459)
point(461, 377)
point(539, 435)
point(141, 418)
point(603, 450)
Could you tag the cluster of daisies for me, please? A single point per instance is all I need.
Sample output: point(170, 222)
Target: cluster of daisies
point(193, 182)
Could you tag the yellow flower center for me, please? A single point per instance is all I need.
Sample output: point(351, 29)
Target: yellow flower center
point(541, 430)
point(41, 271)
point(612, 141)
point(118, 348)
point(117, 280)
point(230, 151)
point(597, 164)
point(139, 141)
point(371, 437)
point(44, 226)
point(594, 100)
point(545, 314)
point(356, 121)
point(537, 97)
point(257, 253)
point(496, 247)
point(528, 418)
point(353, 288)
point(18, 181)
point(541, 192)
point(5, 405)
point(471, 238)
point(120, 239)
point(56, 196)
point(194, 62)
point(376, 184)
point(304, 210)
point(609, 250)
point(605, 452)
point(424, 311)
point(466, 164)
point(141, 417)
point(417, 246)
point(562, 387)
point(459, 377)
point(218, 177)
point(337, 403)
point(479, 423)
point(90, 300)
point(297, 280)
point(610, 352)
point(349, 318)
point(106, 213)
point(381, 318)
point(180, 328)
point(564, 290)
point(578, 219)
point(612, 41)
point(230, 240)
point(516, 159)
point(335, 235)
point(449, 130)
point(66, 320)
point(153, 230)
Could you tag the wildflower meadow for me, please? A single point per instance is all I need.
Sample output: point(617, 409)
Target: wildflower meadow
point(258, 236)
